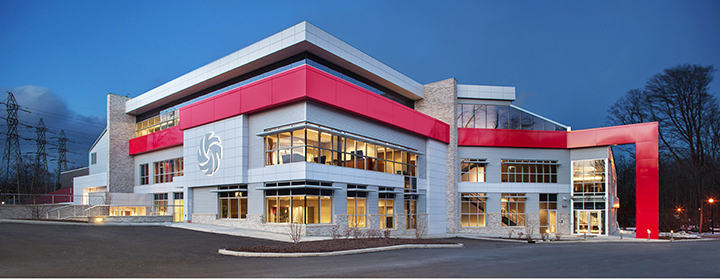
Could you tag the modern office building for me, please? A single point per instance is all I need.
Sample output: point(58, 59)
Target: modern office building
point(303, 128)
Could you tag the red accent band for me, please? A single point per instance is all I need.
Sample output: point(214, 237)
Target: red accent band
point(159, 140)
point(644, 136)
point(308, 83)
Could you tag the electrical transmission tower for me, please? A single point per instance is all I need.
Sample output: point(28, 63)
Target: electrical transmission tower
point(40, 169)
point(62, 159)
point(12, 168)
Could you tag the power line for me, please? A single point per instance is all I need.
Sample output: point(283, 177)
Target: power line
point(12, 156)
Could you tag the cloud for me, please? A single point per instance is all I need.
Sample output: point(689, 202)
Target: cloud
point(37, 103)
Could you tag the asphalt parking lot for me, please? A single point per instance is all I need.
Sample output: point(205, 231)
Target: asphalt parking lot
point(32, 250)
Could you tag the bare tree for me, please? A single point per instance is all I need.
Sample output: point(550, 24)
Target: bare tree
point(689, 125)
point(295, 230)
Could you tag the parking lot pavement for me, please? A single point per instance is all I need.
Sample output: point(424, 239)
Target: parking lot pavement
point(31, 250)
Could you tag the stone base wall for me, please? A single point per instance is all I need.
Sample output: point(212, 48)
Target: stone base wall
point(493, 225)
point(133, 219)
point(340, 226)
point(564, 223)
point(26, 211)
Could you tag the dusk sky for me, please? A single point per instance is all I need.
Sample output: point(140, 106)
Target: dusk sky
point(569, 60)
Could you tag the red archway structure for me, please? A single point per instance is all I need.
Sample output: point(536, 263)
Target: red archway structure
point(644, 136)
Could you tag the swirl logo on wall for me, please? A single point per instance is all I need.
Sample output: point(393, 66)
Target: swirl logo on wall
point(209, 154)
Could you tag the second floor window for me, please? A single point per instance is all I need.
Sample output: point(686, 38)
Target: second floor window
point(529, 171)
point(144, 174)
point(472, 170)
point(166, 170)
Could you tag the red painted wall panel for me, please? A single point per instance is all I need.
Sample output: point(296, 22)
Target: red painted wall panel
point(159, 140)
point(288, 86)
point(228, 105)
point(511, 138)
point(254, 97)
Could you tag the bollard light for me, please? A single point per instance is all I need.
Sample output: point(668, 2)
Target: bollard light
point(648, 234)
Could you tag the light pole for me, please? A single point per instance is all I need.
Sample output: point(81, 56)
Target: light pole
point(712, 215)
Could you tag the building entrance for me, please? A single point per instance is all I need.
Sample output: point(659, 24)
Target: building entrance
point(588, 221)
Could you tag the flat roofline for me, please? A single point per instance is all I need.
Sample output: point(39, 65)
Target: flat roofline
point(296, 39)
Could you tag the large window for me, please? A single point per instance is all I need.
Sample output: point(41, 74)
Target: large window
point(144, 174)
point(166, 170)
point(472, 170)
point(233, 202)
point(386, 208)
point(501, 117)
point(357, 206)
point(342, 149)
point(311, 205)
point(589, 177)
point(160, 201)
point(512, 209)
point(529, 171)
point(472, 209)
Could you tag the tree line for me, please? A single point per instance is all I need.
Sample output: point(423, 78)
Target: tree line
point(688, 117)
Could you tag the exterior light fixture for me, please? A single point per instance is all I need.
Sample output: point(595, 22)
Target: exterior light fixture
point(98, 220)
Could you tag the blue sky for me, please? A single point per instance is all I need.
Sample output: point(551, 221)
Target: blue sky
point(569, 60)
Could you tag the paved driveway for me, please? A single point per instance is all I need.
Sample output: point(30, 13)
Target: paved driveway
point(29, 250)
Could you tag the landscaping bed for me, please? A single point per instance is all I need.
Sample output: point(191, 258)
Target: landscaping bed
point(335, 245)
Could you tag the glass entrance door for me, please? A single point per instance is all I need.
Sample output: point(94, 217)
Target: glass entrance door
point(588, 221)
point(548, 222)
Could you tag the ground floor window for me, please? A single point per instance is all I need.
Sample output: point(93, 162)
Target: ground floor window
point(411, 211)
point(178, 210)
point(548, 213)
point(513, 209)
point(357, 206)
point(299, 205)
point(233, 202)
point(472, 209)
point(128, 210)
point(386, 209)
point(160, 202)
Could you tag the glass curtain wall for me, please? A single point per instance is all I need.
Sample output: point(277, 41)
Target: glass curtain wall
point(501, 117)
point(589, 196)
point(314, 146)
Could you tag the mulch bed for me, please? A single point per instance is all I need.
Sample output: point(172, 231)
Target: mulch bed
point(335, 245)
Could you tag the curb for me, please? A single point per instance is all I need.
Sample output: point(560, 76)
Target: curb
point(41, 222)
point(336, 253)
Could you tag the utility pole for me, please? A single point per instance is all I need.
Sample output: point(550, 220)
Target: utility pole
point(11, 167)
point(62, 159)
point(40, 168)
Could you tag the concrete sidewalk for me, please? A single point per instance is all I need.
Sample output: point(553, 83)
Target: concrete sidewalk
point(627, 236)
point(242, 232)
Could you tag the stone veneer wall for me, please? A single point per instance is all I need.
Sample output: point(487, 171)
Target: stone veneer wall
point(120, 129)
point(440, 102)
